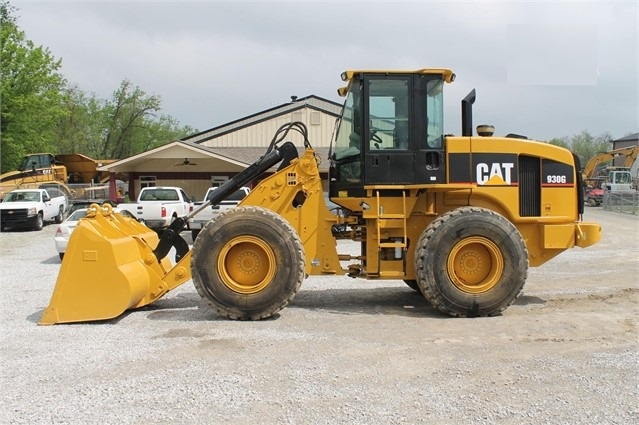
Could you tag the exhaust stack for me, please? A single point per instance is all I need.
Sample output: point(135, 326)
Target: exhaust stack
point(467, 113)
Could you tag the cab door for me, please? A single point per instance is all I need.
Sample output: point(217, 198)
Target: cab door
point(388, 150)
point(430, 165)
point(405, 128)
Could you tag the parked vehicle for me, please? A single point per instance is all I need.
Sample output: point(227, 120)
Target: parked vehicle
point(64, 230)
point(30, 208)
point(157, 207)
point(197, 223)
point(85, 203)
point(593, 193)
point(619, 179)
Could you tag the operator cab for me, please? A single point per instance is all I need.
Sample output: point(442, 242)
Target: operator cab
point(36, 161)
point(391, 130)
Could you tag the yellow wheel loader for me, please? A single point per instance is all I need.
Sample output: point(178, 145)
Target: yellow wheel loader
point(458, 218)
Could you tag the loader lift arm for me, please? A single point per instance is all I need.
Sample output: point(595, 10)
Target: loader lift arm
point(284, 154)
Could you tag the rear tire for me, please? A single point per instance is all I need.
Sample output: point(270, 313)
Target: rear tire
point(248, 264)
point(471, 262)
point(412, 284)
point(58, 218)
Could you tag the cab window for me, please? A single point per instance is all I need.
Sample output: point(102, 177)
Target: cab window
point(388, 111)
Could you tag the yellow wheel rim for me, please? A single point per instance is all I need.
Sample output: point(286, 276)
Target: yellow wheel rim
point(246, 265)
point(475, 265)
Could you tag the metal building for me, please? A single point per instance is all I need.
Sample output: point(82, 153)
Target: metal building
point(213, 156)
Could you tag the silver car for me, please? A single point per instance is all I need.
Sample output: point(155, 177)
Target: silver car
point(64, 230)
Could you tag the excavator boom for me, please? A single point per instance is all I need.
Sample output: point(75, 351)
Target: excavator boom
point(628, 153)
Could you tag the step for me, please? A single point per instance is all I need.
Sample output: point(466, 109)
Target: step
point(392, 245)
point(391, 216)
point(392, 274)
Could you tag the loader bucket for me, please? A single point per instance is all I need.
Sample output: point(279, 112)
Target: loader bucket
point(109, 267)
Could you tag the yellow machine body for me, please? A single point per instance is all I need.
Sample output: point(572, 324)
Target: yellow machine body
point(463, 235)
point(110, 266)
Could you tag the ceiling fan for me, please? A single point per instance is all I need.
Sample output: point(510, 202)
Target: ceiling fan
point(185, 162)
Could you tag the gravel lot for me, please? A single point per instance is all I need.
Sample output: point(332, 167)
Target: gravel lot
point(345, 351)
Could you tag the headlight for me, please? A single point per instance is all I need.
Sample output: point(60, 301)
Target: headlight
point(32, 211)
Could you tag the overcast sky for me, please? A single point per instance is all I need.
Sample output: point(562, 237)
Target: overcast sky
point(542, 69)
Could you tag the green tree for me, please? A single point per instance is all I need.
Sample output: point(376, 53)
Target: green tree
point(562, 142)
point(127, 114)
point(132, 123)
point(80, 129)
point(585, 146)
point(123, 126)
point(31, 93)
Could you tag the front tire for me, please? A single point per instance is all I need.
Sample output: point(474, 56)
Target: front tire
point(39, 223)
point(471, 262)
point(248, 263)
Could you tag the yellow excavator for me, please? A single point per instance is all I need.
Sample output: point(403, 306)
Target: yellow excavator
point(629, 155)
point(597, 178)
point(458, 218)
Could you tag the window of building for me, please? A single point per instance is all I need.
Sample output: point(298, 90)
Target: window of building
point(147, 181)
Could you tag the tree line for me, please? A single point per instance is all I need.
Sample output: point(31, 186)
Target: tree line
point(585, 145)
point(42, 112)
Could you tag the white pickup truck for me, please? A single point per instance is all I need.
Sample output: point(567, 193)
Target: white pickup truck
point(157, 207)
point(30, 208)
point(197, 223)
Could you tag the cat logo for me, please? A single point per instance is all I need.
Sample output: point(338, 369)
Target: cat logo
point(484, 169)
point(496, 173)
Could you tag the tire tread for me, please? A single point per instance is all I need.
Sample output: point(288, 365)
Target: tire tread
point(430, 291)
point(233, 313)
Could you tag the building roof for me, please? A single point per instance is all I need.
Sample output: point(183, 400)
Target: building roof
point(227, 159)
point(628, 138)
point(312, 102)
point(165, 156)
point(221, 159)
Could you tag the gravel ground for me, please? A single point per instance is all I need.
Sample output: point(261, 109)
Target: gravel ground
point(345, 351)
